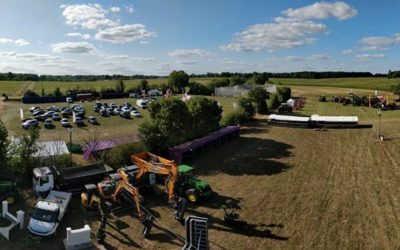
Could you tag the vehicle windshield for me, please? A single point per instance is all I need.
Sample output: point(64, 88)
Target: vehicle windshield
point(44, 215)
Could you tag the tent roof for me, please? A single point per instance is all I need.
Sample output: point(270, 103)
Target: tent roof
point(51, 148)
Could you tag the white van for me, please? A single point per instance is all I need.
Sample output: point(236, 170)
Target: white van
point(142, 103)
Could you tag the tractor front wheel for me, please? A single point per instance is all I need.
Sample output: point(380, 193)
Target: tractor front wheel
point(192, 196)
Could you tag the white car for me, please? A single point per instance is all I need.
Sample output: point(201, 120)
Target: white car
point(65, 123)
point(30, 124)
point(135, 113)
point(69, 100)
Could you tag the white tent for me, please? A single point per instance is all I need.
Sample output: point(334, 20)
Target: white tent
point(51, 148)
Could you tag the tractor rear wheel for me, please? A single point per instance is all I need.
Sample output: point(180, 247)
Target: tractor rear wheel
point(10, 198)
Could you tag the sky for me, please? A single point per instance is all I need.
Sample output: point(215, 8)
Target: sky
point(154, 37)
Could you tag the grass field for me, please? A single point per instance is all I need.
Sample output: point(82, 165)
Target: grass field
point(298, 188)
point(377, 83)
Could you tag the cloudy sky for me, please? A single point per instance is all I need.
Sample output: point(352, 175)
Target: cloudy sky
point(158, 36)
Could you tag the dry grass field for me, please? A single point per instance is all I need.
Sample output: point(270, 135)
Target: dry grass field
point(298, 188)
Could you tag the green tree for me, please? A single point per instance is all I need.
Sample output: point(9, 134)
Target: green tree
point(43, 92)
point(206, 115)
point(199, 89)
point(259, 96)
point(178, 80)
point(275, 102)
point(284, 93)
point(120, 86)
point(236, 80)
point(57, 92)
point(144, 84)
point(152, 137)
point(4, 143)
point(246, 107)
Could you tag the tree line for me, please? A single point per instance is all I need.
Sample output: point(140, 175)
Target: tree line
point(257, 76)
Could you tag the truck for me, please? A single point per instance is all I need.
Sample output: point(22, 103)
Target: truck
point(71, 180)
point(48, 213)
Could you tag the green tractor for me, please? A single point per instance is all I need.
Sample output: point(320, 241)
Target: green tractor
point(190, 187)
point(8, 191)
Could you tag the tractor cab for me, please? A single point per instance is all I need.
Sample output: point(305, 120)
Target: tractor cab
point(191, 187)
point(43, 180)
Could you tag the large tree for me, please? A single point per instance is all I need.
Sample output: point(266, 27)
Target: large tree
point(206, 115)
point(259, 96)
point(178, 80)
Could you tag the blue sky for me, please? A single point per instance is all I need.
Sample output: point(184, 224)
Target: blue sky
point(158, 36)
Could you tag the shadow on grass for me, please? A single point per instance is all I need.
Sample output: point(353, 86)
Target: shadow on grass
point(243, 227)
point(244, 156)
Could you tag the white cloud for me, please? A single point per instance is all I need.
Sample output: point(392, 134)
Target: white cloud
point(373, 48)
point(18, 42)
point(322, 10)
point(282, 33)
point(124, 33)
point(144, 59)
point(315, 57)
point(380, 42)
point(115, 9)
point(118, 57)
point(72, 47)
point(129, 8)
point(77, 34)
point(40, 58)
point(347, 51)
point(89, 16)
point(368, 57)
point(189, 53)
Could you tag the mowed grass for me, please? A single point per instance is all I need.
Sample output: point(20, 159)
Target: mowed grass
point(298, 188)
point(374, 83)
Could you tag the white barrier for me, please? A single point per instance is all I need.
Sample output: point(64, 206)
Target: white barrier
point(10, 230)
point(78, 238)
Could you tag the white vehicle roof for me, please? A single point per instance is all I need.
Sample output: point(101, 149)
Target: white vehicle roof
point(47, 206)
point(288, 118)
point(39, 172)
point(319, 118)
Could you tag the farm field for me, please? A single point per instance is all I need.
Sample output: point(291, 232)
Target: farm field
point(298, 188)
point(374, 83)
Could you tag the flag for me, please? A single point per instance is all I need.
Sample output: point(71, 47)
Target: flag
point(21, 113)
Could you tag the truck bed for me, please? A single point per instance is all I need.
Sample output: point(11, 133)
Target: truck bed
point(60, 198)
point(79, 172)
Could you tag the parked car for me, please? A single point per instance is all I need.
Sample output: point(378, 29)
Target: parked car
point(53, 108)
point(134, 95)
point(38, 112)
point(32, 109)
point(92, 120)
point(66, 112)
point(103, 112)
point(69, 100)
point(30, 124)
point(49, 114)
point(79, 121)
point(56, 117)
point(135, 113)
point(48, 123)
point(65, 123)
point(41, 118)
point(126, 109)
point(125, 115)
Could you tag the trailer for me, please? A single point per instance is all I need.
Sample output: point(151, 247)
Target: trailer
point(68, 179)
point(48, 213)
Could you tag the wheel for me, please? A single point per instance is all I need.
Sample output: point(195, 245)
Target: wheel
point(192, 196)
point(10, 198)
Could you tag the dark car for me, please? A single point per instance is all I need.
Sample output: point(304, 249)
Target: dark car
point(103, 112)
point(41, 118)
point(48, 123)
point(126, 115)
point(79, 121)
point(66, 112)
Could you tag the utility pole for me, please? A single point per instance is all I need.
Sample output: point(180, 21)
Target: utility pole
point(70, 140)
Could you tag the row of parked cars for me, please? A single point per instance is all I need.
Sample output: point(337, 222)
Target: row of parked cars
point(125, 110)
point(54, 113)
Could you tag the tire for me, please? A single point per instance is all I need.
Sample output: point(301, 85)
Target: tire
point(192, 196)
point(10, 198)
